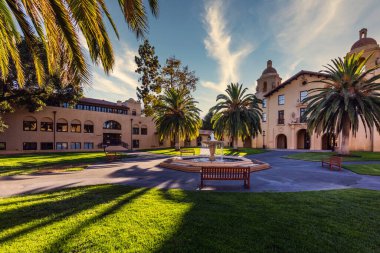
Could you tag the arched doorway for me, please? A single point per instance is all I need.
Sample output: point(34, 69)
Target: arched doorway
point(247, 142)
point(281, 141)
point(303, 139)
point(328, 141)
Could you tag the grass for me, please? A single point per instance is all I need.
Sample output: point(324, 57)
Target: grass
point(31, 163)
point(115, 218)
point(226, 151)
point(318, 156)
point(366, 169)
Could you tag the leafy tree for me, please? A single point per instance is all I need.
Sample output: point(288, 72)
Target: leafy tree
point(351, 95)
point(237, 114)
point(148, 67)
point(174, 75)
point(206, 122)
point(177, 117)
point(31, 95)
point(58, 24)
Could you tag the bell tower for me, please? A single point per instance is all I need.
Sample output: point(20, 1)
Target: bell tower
point(268, 80)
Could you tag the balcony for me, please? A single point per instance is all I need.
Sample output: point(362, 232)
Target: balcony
point(280, 121)
point(300, 120)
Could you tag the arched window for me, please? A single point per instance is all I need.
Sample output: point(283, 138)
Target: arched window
point(265, 87)
point(111, 124)
point(46, 125)
point(88, 127)
point(62, 125)
point(30, 124)
point(134, 112)
point(144, 130)
point(76, 126)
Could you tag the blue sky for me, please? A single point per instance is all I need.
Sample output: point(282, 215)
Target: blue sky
point(231, 40)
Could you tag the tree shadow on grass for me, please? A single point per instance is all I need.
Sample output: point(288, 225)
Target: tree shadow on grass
point(69, 204)
point(272, 222)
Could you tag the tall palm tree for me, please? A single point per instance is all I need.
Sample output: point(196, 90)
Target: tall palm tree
point(237, 114)
point(59, 25)
point(177, 116)
point(351, 94)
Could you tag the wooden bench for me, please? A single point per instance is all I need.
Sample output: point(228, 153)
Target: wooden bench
point(186, 151)
point(333, 163)
point(112, 156)
point(226, 173)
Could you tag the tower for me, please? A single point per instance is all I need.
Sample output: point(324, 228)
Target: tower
point(268, 80)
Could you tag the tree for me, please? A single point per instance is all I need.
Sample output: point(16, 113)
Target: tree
point(351, 95)
point(174, 75)
point(237, 114)
point(59, 24)
point(177, 117)
point(206, 122)
point(148, 67)
point(32, 96)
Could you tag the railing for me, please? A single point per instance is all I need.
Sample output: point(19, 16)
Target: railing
point(300, 120)
point(280, 121)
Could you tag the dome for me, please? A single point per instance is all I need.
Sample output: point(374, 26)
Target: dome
point(269, 69)
point(363, 40)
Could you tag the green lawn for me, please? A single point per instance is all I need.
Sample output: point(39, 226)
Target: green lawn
point(366, 169)
point(31, 163)
point(226, 151)
point(115, 218)
point(318, 156)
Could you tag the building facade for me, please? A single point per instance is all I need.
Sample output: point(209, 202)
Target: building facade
point(282, 124)
point(90, 125)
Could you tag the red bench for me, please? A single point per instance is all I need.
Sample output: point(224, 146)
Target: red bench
point(226, 173)
point(333, 163)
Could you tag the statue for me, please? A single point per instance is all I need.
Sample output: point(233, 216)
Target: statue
point(212, 136)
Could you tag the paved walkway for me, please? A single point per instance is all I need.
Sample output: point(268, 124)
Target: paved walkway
point(286, 175)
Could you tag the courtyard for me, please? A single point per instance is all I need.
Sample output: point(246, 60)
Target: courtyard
point(134, 205)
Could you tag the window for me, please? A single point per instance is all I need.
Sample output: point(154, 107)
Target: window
point(144, 131)
point(264, 103)
point(302, 117)
point(88, 128)
point(281, 99)
point(3, 145)
point(61, 145)
point(303, 95)
point(47, 145)
point(62, 127)
point(265, 87)
point(135, 143)
point(47, 126)
point(134, 112)
point(281, 119)
point(135, 130)
point(111, 124)
point(30, 145)
point(88, 145)
point(75, 145)
point(30, 125)
point(75, 128)
point(264, 117)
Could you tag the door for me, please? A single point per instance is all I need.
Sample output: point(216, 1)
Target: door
point(112, 139)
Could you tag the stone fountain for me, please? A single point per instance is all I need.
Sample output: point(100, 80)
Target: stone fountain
point(212, 143)
point(195, 163)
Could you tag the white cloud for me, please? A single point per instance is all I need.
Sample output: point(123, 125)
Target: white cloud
point(218, 46)
point(310, 33)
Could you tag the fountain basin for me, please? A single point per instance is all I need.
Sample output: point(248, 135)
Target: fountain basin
point(195, 163)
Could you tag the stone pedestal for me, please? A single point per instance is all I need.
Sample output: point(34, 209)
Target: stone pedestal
point(212, 148)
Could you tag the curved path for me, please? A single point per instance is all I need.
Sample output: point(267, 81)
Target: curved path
point(286, 175)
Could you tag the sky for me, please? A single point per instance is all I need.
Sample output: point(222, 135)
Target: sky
point(226, 41)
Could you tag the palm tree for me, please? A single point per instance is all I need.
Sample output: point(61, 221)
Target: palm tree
point(351, 94)
point(177, 116)
point(59, 25)
point(237, 114)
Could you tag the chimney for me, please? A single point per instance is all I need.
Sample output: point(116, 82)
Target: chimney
point(269, 63)
point(119, 103)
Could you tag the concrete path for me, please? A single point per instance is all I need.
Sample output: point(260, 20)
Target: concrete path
point(286, 175)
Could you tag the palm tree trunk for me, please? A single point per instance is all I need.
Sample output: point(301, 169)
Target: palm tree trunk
point(345, 143)
point(235, 143)
point(177, 142)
